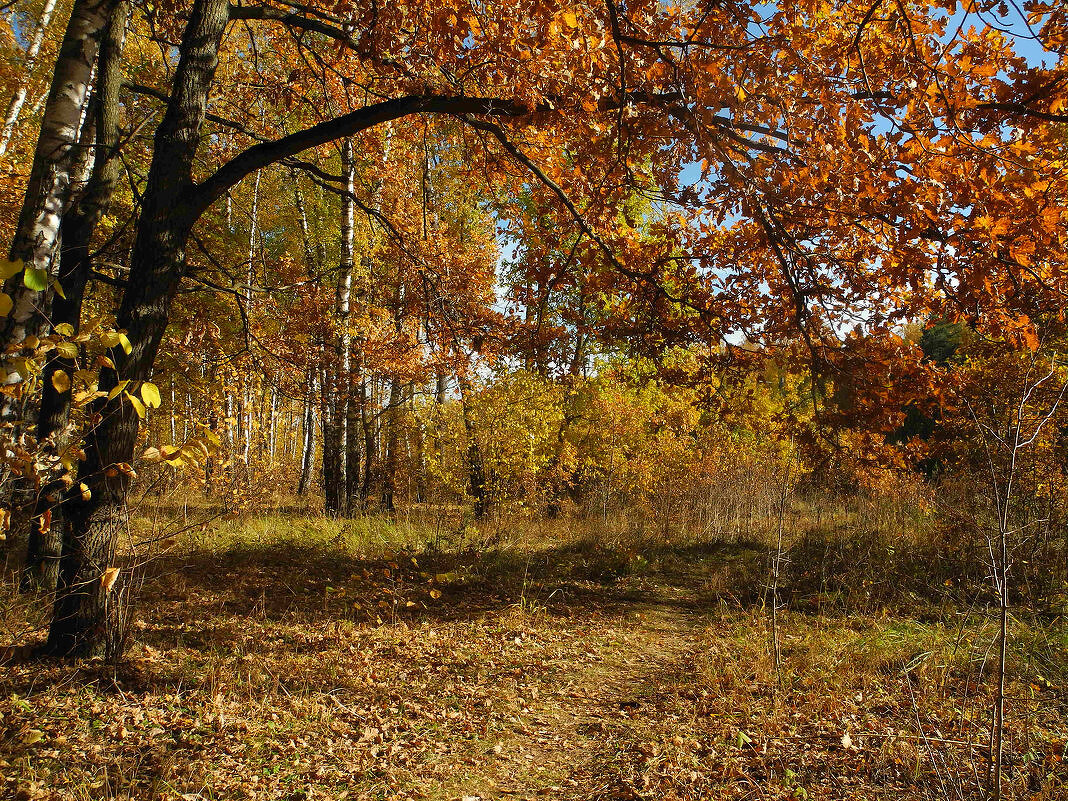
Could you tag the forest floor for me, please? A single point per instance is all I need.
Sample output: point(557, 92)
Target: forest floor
point(270, 669)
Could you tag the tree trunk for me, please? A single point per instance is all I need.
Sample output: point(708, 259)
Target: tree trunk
point(476, 483)
point(213, 425)
point(337, 497)
point(173, 409)
point(352, 446)
point(272, 427)
point(307, 464)
point(312, 257)
point(48, 189)
point(370, 446)
point(344, 315)
point(389, 466)
point(419, 466)
point(87, 617)
point(331, 447)
point(45, 542)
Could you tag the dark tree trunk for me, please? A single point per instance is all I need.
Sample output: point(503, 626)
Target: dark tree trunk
point(370, 447)
point(307, 461)
point(389, 466)
point(353, 430)
point(476, 483)
point(333, 478)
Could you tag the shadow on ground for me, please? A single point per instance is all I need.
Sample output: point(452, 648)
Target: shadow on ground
point(282, 583)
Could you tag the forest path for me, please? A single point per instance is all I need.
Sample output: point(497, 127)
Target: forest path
point(587, 732)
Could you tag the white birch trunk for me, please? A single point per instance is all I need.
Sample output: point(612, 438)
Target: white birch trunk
point(18, 100)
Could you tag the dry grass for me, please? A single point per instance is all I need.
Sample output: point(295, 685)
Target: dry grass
point(867, 708)
point(289, 656)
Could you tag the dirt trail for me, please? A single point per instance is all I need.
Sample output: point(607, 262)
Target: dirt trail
point(577, 741)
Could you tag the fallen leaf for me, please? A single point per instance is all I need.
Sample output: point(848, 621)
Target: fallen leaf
point(32, 736)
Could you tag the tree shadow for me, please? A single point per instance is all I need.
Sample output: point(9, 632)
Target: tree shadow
point(306, 586)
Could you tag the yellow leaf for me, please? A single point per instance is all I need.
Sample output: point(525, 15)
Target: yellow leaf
point(61, 381)
point(58, 289)
point(107, 581)
point(32, 736)
point(570, 19)
point(125, 342)
point(65, 330)
point(86, 494)
point(35, 279)
point(5, 304)
point(119, 387)
point(9, 268)
point(150, 395)
point(91, 325)
point(435, 594)
point(138, 406)
point(152, 454)
point(68, 350)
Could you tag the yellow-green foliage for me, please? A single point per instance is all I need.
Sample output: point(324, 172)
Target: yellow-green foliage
point(619, 441)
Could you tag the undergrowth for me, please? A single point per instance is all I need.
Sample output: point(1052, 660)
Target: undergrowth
point(291, 655)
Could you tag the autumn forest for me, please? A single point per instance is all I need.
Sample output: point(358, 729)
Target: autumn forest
point(468, 400)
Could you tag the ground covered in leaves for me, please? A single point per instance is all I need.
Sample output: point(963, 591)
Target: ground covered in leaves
point(262, 670)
